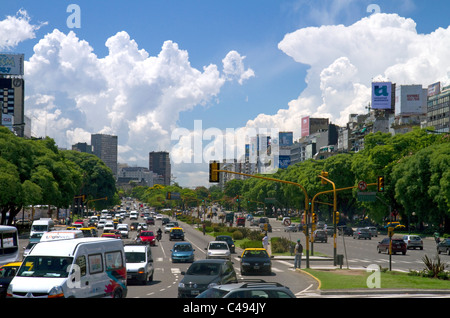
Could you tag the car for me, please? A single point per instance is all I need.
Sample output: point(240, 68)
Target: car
point(101, 224)
point(255, 260)
point(134, 226)
point(7, 273)
point(168, 227)
point(142, 227)
point(240, 221)
point(362, 232)
point(158, 217)
point(218, 249)
point(320, 235)
point(165, 221)
point(291, 228)
point(398, 246)
point(251, 289)
point(123, 229)
point(150, 221)
point(176, 233)
point(139, 263)
point(229, 240)
point(345, 230)
point(148, 237)
point(444, 246)
point(396, 225)
point(114, 235)
point(108, 226)
point(373, 231)
point(182, 252)
point(205, 273)
point(413, 241)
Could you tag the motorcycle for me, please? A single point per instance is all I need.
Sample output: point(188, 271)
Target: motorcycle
point(158, 236)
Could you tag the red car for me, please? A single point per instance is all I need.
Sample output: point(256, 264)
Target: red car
point(112, 235)
point(398, 246)
point(148, 237)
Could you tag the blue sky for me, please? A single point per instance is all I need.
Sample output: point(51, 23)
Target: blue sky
point(282, 76)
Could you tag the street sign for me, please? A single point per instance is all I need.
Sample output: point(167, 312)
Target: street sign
point(367, 196)
point(362, 185)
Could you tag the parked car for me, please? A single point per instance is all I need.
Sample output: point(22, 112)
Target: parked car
point(362, 232)
point(182, 252)
point(229, 240)
point(176, 233)
point(413, 241)
point(218, 249)
point(345, 230)
point(444, 246)
point(139, 263)
point(320, 235)
point(148, 237)
point(398, 246)
point(205, 273)
point(255, 260)
point(373, 231)
point(251, 289)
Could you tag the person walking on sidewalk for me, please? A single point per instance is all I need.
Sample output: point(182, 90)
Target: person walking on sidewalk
point(298, 250)
point(265, 242)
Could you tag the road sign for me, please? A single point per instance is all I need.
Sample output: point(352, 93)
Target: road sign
point(362, 185)
point(367, 196)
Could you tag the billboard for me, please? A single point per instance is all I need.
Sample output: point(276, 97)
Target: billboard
point(305, 126)
point(381, 95)
point(286, 138)
point(434, 89)
point(11, 64)
point(284, 161)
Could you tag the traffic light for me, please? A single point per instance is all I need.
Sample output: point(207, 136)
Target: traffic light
point(168, 195)
point(336, 217)
point(213, 173)
point(237, 198)
point(325, 175)
point(380, 184)
point(314, 218)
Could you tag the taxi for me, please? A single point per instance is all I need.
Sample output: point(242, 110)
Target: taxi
point(7, 273)
point(255, 260)
point(176, 233)
point(113, 235)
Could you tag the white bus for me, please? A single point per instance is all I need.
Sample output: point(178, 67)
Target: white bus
point(9, 244)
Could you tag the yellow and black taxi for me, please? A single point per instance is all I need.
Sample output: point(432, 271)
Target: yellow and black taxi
point(255, 260)
point(176, 233)
point(7, 273)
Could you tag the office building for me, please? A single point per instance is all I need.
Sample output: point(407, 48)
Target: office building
point(159, 163)
point(105, 147)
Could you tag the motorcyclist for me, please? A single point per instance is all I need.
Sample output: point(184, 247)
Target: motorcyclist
point(159, 234)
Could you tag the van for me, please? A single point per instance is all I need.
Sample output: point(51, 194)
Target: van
point(61, 235)
point(42, 225)
point(75, 268)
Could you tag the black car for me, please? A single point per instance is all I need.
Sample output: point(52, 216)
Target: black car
point(176, 234)
point(444, 246)
point(203, 274)
point(229, 240)
point(320, 235)
point(250, 289)
point(256, 260)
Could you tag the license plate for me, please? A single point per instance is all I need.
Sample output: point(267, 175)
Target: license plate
point(195, 292)
point(256, 267)
point(128, 276)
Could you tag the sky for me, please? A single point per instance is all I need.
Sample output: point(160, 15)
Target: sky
point(198, 77)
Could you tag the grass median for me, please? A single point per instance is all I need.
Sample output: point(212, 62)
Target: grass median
point(357, 279)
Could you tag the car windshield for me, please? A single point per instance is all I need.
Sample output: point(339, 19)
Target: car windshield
point(218, 246)
point(206, 269)
point(182, 248)
point(213, 293)
point(38, 228)
point(255, 254)
point(147, 234)
point(45, 266)
point(135, 257)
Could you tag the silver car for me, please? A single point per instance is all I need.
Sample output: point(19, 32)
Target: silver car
point(413, 241)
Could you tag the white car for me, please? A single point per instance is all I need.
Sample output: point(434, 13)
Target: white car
point(218, 249)
point(159, 216)
point(168, 227)
point(101, 224)
point(109, 226)
point(123, 228)
point(139, 263)
point(142, 226)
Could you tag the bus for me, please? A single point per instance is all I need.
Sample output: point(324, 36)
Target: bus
point(9, 244)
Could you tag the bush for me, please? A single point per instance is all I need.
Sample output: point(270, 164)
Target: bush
point(237, 235)
point(281, 245)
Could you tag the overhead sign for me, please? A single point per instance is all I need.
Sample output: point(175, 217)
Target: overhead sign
point(381, 95)
point(11, 64)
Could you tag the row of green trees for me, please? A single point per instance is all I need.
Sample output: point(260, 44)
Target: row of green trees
point(36, 172)
point(416, 167)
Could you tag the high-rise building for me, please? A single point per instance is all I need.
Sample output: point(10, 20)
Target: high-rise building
point(159, 163)
point(105, 147)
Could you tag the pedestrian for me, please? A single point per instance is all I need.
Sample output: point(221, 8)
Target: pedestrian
point(265, 242)
point(298, 250)
point(204, 228)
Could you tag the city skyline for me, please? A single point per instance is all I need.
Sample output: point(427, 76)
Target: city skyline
point(234, 65)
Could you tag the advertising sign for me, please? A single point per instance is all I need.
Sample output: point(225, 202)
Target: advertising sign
point(11, 64)
point(284, 161)
point(305, 126)
point(286, 138)
point(434, 89)
point(381, 95)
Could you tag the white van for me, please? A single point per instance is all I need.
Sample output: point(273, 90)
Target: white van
point(42, 225)
point(75, 268)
